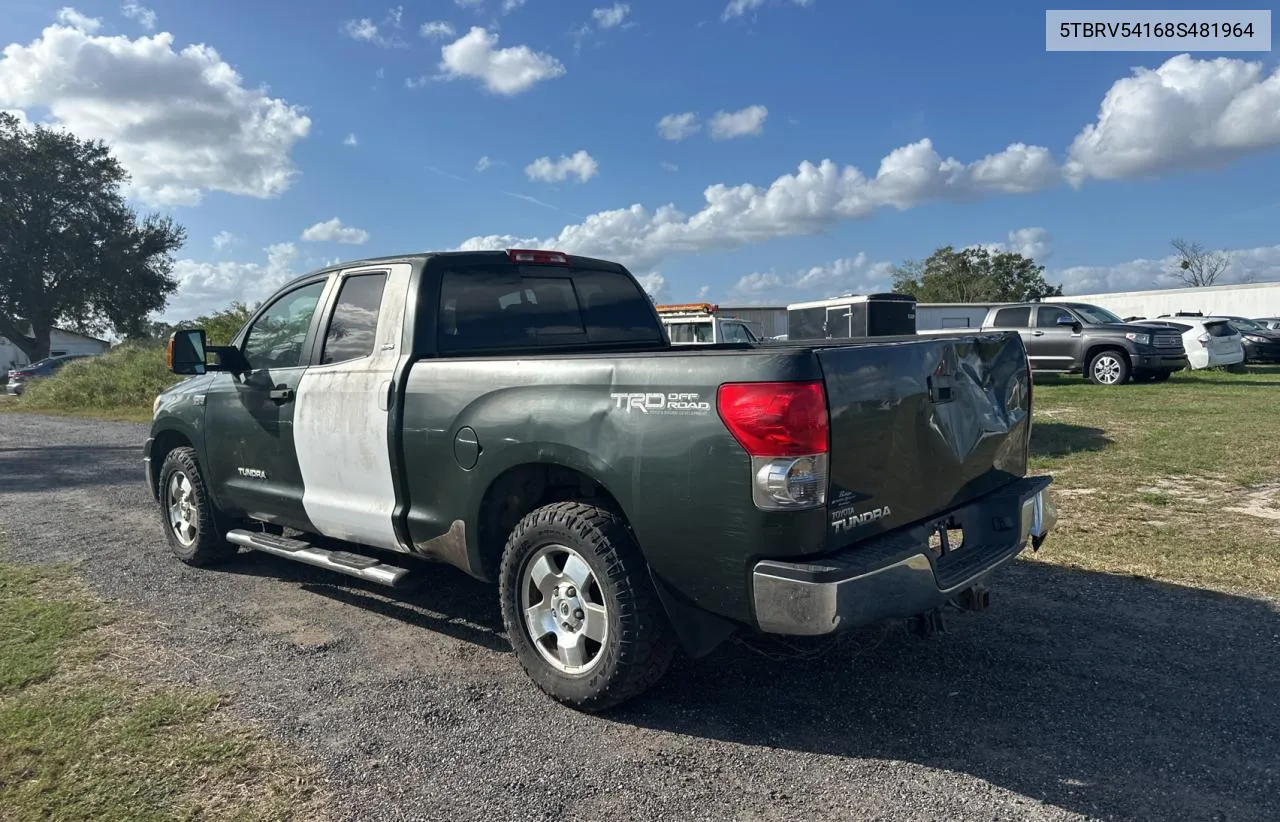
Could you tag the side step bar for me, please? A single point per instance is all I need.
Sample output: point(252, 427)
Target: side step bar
point(353, 565)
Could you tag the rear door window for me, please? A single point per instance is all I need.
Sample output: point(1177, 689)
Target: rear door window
point(1013, 318)
point(511, 308)
point(1220, 329)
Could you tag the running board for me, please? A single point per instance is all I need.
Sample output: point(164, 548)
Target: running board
point(353, 565)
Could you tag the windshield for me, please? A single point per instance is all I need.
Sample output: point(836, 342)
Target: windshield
point(1246, 325)
point(1093, 315)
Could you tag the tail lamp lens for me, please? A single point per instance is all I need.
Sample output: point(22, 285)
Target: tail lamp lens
point(785, 429)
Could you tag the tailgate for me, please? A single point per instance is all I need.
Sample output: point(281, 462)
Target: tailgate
point(922, 426)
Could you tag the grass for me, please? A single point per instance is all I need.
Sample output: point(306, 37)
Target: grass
point(1178, 481)
point(85, 737)
point(119, 385)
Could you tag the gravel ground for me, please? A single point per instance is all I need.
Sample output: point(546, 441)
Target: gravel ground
point(1078, 696)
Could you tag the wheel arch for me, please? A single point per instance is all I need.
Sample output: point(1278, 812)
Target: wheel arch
point(164, 443)
point(525, 487)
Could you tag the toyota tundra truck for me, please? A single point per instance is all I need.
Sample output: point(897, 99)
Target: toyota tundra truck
point(521, 416)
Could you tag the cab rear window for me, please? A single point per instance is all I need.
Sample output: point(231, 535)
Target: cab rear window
point(487, 308)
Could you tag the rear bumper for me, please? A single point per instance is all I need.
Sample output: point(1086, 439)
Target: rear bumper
point(1262, 352)
point(1159, 362)
point(899, 574)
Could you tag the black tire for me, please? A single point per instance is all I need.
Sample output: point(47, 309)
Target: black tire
point(1161, 376)
point(1108, 367)
point(639, 644)
point(205, 543)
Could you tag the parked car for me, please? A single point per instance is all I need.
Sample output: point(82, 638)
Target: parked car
point(522, 416)
point(1269, 323)
point(1261, 344)
point(20, 378)
point(1077, 337)
point(699, 324)
point(1211, 342)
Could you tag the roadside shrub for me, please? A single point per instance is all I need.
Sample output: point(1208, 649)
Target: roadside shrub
point(127, 377)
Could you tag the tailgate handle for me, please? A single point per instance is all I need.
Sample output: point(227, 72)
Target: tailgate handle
point(940, 388)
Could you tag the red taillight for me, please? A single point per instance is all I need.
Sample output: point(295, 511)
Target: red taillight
point(530, 256)
point(776, 419)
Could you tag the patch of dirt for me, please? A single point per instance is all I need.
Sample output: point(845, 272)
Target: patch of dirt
point(1075, 492)
point(1261, 501)
point(1054, 413)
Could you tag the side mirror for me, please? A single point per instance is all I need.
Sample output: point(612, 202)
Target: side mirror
point(186, 352)
point(1069, 322)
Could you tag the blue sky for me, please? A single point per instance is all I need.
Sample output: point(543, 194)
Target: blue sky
point(840, 81)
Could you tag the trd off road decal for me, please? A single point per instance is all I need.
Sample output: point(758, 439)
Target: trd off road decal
point(658, 402)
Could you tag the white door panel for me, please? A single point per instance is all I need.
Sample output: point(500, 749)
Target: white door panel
point(340, 427)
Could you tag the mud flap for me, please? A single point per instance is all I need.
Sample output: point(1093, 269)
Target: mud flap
point(699, 631)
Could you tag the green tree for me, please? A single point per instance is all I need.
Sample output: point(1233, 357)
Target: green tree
point(72, 252)
point(221, 326)
point(973, 275)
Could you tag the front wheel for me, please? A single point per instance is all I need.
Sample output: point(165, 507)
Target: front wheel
point(192, 524)
point(580, 609)
point(1109, 368)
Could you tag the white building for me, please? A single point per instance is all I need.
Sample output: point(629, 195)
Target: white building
point(60, 342)
point(1252, 300)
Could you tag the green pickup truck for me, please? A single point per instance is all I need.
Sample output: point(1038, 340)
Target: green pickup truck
point(523, 417)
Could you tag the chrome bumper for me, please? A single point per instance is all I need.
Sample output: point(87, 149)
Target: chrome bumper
point(898, 575)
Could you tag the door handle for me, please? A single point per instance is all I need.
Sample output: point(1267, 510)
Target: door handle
point(280, 396)
point(1037, 333)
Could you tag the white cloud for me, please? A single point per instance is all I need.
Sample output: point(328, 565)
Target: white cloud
point(485, 163)
point(849, 275)
point(1034, 242)
point(747, 122)
point(704, 292)
point(509, 6)
point(380, 34)
point(437, 29)
point(333, 231)
point(181, 122)
point(655, 285)
point(611, 16)
point(206, 287)
point(1187, 113)
point(665, 166)
point(362, 29)
point(678, 126)
point(350, 140)
point(503, 71)
point(580, 164)
point(144, 16)
point(808, 201)
point(1259, 264)
point(223, 240)
point(737, 8)
point(71, 18)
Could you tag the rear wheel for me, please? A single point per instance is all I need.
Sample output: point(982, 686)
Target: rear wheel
point(580, 609)
point(1109, 367)
point(193, 526)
